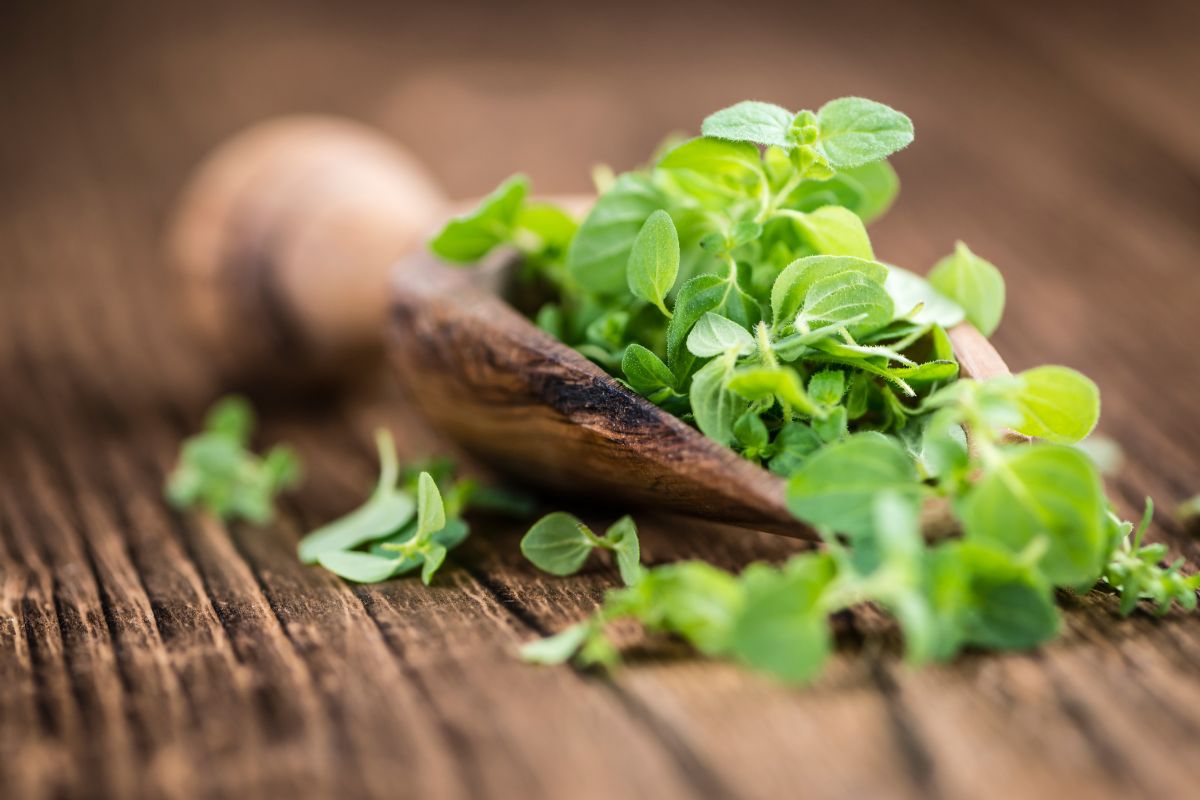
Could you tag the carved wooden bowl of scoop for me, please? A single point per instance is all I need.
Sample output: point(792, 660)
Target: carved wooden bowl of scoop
point(301, 246)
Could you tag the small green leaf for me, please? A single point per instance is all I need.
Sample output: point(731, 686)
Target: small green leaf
point(856, 131)
point(599, 253)
point(654, 260)
point(431, 513)
point(781, 629)
point(733, 166)
point(827, 387)
point(1057, 404)
point(1042, 492)
point(835, 487)
point(751, 121)
point(915, 299)
point(470, 237)
point(645, 371)
point(435, 555)
point(557, 649)
point(360, 567)
point(698, 296)
point(794, 282)
point(714, 335)
point(714, 406)
point(622, 538)
point(765, 383)
point(834, 230)
point(846, 298)
point(974, 284)
point(558, 544)
point(231, 416)
point(794, 444)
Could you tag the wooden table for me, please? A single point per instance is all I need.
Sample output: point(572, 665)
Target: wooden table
point(146, 653)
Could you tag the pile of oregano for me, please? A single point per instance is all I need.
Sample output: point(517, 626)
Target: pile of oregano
point(732, 282)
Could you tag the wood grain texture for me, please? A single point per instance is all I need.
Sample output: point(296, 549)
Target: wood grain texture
point(148, 654)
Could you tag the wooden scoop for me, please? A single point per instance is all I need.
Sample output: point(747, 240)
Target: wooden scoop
point(301, 243)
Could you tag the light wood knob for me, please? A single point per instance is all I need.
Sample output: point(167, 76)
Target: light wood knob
point(284, 239)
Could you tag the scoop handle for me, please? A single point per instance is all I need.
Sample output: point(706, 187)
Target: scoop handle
point(283, 241)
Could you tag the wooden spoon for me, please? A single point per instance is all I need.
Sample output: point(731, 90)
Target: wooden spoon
point(287, 240)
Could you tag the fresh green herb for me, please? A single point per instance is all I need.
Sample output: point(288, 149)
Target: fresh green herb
point(412, 519)
point(218, 473)
point(733, 283)
point(560, 543)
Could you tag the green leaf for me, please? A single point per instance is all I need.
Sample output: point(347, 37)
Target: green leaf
point(559, 648)
point(735, 166)
point(794, 444)
point(714, 406)
point(781, 629)
point(915, 299)
point(431, 513)
point(794, 282)
point(599, 253)
point(714, 335)
point(654, 260)
point(827, 387)
point(867, 190)
point(1057, 404)
point(846, 298)
point(553, 227)
point(834, 230)
point(751, 121)
point(856, 131)
point(1045, 492)
point(690, 598)
point(767, 383)
point(622, 539)
point(470, 237)
point(382, 514)
point(434, 555)
point(974, 284)
point(386, 511)
point(1012, 605)
point(359, 567)
point(232, 417)
point(835, 487)
point(698, 296)
point(645, 371)
point(558, 544)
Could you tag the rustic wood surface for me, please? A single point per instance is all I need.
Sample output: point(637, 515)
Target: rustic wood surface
point(146, 653)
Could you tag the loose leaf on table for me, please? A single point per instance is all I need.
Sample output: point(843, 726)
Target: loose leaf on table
point(217, 472)
point(387, 510)
point(654, 260)
point(560, 543)
point(974, 284)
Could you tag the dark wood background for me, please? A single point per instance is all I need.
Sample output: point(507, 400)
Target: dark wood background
point(144, 653)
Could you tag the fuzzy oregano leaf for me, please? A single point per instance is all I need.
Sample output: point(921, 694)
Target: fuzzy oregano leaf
point(714, 335)
point(468, 238)
point(599, 253)
point(654, 260)
point(751, 121)
point(975, 284)
point(1057, 404)
point(558, 543)
point(854, 131)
